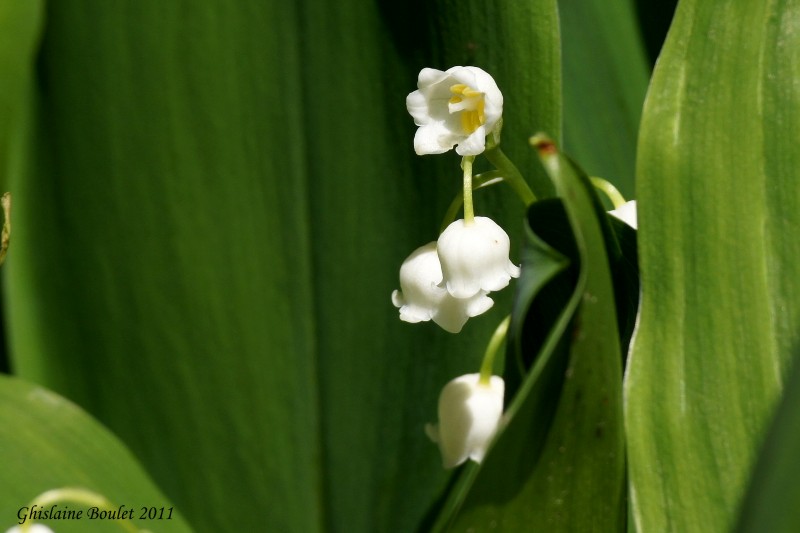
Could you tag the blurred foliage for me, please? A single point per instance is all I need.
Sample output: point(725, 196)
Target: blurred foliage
point(605, 78)
point(212, 200)
point(48, 443)
point(216, 200)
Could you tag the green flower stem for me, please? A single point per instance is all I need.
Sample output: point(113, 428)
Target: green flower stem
point(511, 174)
point(469, 212)
point(77, 495)
point(609, 190)
point(497, 340)
point(484, 179)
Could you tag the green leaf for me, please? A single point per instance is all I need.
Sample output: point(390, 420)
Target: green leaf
point(20, 27)
point(559, 465)
point(605, 79)
point(719, 216)
point(771, 500)
point(48, 443)
point(209, 227)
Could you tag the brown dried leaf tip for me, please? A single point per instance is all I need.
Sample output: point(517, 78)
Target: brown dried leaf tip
point(5, 238)
point(543, 144)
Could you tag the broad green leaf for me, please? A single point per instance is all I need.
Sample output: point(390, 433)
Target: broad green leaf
point(47, 443)
point(719, 219)
point(605, 79)
point(209, 227)
point(771, 500)
point(20, 27)
point(567, 474)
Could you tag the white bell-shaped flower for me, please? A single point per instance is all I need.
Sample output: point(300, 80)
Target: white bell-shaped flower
point(421, 298)
point(469, 415)
point(459, 107)
point(474, 257)
point(33, 528)
point(626, 213)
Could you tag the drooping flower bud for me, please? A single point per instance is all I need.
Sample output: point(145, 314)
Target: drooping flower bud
point(421, 298)
point(626, 213)
point(469, 415)
point(474, 257)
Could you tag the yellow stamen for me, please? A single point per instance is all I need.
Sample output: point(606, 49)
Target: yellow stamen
point(472, 117)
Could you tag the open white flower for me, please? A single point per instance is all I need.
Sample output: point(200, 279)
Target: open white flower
point(474, 257)
point(33, 528)
point(626, 213)
point(421, 298)
point(458, 107)
point(469, 414)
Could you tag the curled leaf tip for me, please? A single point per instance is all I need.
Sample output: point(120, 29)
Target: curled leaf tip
point(543, 144)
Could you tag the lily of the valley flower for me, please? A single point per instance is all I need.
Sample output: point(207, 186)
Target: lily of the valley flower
point(469, 415)
point(458, 107)
point(33, 528)
point(421, 298)
point(474, 257)
point(626, 213)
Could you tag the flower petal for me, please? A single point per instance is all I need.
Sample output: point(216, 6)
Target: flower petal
point(32, 528)
point(432, 431)
point(433, 138)
point(475, 144)
point(466, 75)
point(479, 304)
point(474, 257)
point(430, 76)
point(469, 415)
point(417, 106)
point(626, 213)
point(397, 298)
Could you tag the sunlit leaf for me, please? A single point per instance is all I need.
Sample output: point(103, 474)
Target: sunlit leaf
point(719, 219)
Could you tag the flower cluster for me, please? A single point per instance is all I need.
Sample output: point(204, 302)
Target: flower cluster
point(449, 280)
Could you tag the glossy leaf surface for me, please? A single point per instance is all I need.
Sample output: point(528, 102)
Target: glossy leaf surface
point(719, 219)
